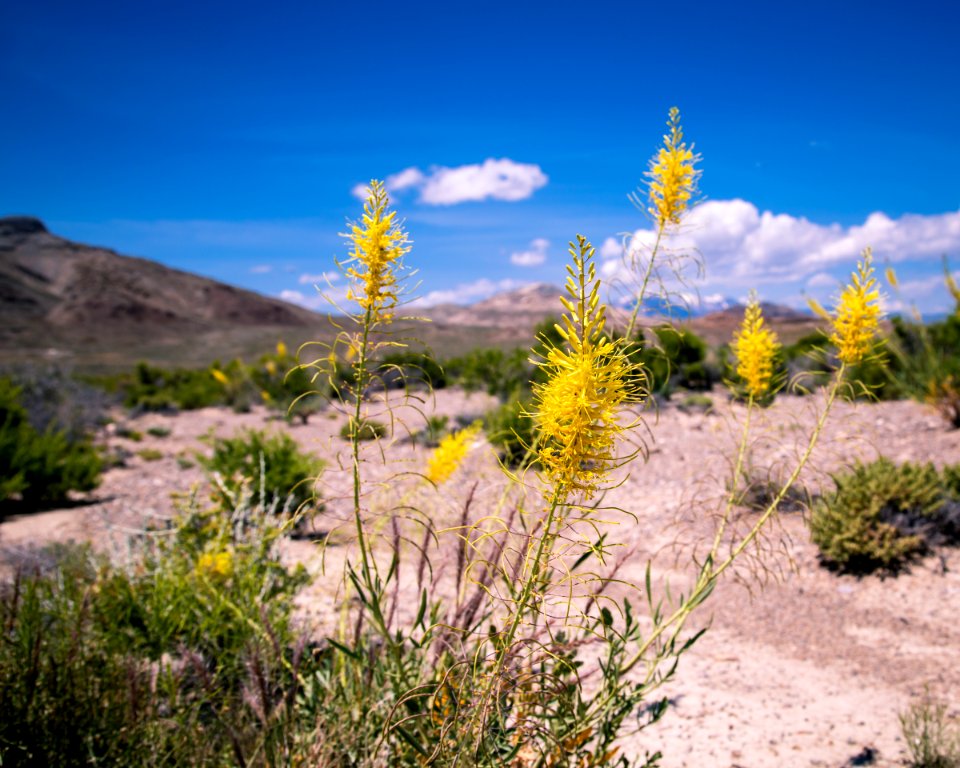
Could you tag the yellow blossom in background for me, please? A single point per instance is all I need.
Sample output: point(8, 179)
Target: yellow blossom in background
point(281, 349)
point(220, 376)
point(587, 382)
point(216, 565)
point(857, 314)
point(378, 245)
point(755, 348)
point(271, 367)
point(450, 454)
point(891, 277)
point(265, 396)
point(673, 179)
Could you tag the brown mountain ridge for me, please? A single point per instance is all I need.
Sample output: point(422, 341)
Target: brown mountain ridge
point(96, 309)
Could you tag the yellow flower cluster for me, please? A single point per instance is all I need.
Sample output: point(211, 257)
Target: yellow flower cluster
point(857, 314)
point(587, 381)
point(673, 179)
point(378, 246)
point(216, 565)
point(755, 347)
point(450, 454)
point(220, 376)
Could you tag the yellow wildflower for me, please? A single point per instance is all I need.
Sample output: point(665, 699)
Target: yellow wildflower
point(587, 382)
point(450, 454)
point(755, 347)
point(281, 349)
point(220, 376)
point(673, 179)
point(857, 314)
point(216, 565)
point(271, 367)
point(378, 246)
point(891, 277)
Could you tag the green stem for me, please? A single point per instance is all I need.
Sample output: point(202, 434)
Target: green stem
point(641, 294)
point(709, 574)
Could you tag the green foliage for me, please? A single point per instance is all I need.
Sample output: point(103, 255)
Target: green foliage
point(510, 431)
point(159, 432)
point(881, 515)
point(492, 371)
point(150, 454)
point(287, 387)
point(40, 467)
point(672, 358)
point(924, 363)
point(272, 464)
point(368, 430)
point(932, 741)
point(411, 369)
point(151, 388)
point(187, 658)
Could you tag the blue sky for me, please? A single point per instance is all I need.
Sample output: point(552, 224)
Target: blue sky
point(227, 138)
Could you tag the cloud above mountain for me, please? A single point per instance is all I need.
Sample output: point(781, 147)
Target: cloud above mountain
point(743, 247)
point(493, 179)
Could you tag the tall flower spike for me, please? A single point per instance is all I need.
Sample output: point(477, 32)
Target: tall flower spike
point(587, 381)
point(378, 246)
point(673, 178)
point(857, 314)
point(755, 347)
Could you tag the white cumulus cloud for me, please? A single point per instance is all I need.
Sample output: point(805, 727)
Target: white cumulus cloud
point(534, 256)
point(321, 278)
point(493, 179)
point(467, 293)
point(743, 247)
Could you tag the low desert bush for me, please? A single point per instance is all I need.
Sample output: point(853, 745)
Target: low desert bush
point(40, 467)
point(510, 431)
point(273, 466)
point(882, 514)
point(369, 429)
point(491, 370)
point(932, 740)
point(187, 656)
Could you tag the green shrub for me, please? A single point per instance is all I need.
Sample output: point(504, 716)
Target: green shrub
point(930, 738)
point(187, 658)
point(151, 388)
point(272, 464)
point(287, 387)
point(510, 432)
point(411, 369)
point(159, 431)
point(369, 430)
point(880, 515)
point(150, 454)
point(492, 371)
point(40, 467)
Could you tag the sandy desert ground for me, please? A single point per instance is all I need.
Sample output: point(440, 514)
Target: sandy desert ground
point(808, 668)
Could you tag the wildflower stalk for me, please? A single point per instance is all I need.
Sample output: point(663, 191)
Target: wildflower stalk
point(709, 574)
point(648, 273)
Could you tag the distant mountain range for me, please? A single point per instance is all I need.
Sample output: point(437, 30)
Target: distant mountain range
point(98, 309)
